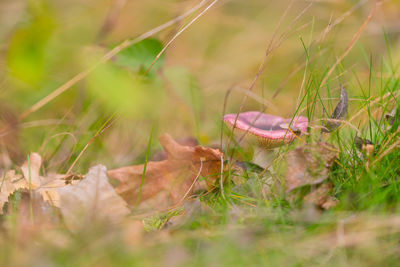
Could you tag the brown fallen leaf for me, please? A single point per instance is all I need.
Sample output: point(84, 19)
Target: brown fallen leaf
point(46, 186)
point(321, 197)
point(176, 175)
point(161, 155)
point(33, 217)
point(92, 199)
point(9, 184)
point(309, 164)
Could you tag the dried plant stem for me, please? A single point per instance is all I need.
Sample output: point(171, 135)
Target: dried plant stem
point(374, 102)
point(180, 32)
point(107, 125)
point(262, 65)
point(248, 92)
point(321, 38)
point(227, 94)
point(111, 19)
point(221, 179)
point(350, 44)
point(343, 122)
point(180, 202)
point(337, 21)
point(192, 185)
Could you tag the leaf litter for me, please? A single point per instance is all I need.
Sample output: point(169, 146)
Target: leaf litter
point(94, 199)
point(46, 186)
point(167, 183)
point(174, 178)
point(10, 183)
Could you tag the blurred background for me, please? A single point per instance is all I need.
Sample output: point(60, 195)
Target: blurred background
point(44, 44)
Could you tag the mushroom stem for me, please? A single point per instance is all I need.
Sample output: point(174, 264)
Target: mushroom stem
point(267, 130)
point(263, 157)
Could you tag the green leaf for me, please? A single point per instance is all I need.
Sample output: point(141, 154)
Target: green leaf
point(138, 57)
point(125, 92)
point(26, 57)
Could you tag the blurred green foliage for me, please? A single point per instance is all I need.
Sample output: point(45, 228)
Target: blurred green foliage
point(26, 57)
point(185, 86)
point(126, 91)
point(140, 56)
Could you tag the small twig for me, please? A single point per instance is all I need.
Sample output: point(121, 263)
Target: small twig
point(179, 33)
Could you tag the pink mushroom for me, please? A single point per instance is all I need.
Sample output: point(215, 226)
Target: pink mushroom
point(270, 131)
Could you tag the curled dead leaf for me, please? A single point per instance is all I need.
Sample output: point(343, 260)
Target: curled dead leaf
point(161, 155)
point(176, 175)
point(338, 114)
point(46, 186)
point(10, 183)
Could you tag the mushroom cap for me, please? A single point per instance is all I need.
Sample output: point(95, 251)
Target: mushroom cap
point(269, 130)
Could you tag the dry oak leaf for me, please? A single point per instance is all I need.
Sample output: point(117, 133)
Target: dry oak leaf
point(93, 198)
point(176, 175)
point(46, 186)
point(309, 164)
point(9, 184)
